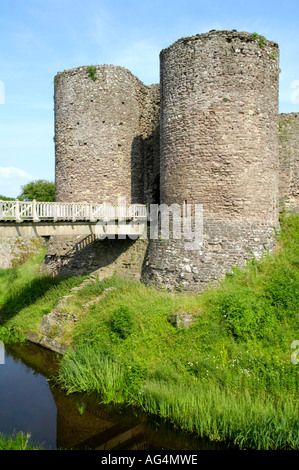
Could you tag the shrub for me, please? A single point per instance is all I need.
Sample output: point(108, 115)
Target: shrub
point(92, 70)
point(121, 322)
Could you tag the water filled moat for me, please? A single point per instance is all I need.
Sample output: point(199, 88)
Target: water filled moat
point(31, 403)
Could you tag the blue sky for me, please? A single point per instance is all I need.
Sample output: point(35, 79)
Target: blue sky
point(39, 38)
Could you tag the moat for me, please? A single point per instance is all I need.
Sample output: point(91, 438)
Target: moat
point(30, 403)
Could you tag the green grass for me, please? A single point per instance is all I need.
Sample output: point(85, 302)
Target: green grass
point(26, 296)
point(227, 377)
point(233, 361)
point(244, 420)
point(18, 441)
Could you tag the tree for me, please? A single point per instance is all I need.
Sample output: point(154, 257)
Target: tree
point(5, 198)
point(40, 190)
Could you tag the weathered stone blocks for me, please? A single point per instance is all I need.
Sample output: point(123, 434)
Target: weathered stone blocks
point(219, 148)
point(289, 160)
point(219, 112)
point(17, 250)
point(88, 255)
point(102, 117)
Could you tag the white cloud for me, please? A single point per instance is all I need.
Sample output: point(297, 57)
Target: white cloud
point(8, 172)
point(12, 179)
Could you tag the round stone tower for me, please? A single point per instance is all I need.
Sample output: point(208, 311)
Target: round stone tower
point(219, 150)
point(98, 148)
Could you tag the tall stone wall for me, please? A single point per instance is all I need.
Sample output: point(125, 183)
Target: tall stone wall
point(88, 255)
point(219, 148)
point(289, 160)
point(150, 124)
point(101, 121)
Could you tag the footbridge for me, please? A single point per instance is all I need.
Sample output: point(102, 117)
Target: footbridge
point(43, 219)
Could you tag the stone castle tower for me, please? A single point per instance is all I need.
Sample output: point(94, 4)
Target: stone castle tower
point(103, 117)
point(207, 135)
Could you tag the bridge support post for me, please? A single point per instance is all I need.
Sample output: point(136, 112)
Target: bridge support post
point(91, 217)
point(17, 215)
point(34, 212)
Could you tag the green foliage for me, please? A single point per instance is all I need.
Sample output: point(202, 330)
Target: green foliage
point(90, 370)
point(11, 335)
point(121, 322)
point(259, 38)
point(244, 421)
point(5, 198)
point(264, 298)
point(92, 72)
point(243, 311)
point(261, 41)
point(81, 408)
point(135, 377)
point(19, 441)
point(26, 296)
point(40, 190)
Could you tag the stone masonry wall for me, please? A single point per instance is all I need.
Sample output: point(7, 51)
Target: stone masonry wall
point(102, 258)
point(289, 160)
point(150, 125)
point(219, 112)
point(172, 265)
point(100, 124)
point(17, 250)
point(106, 147)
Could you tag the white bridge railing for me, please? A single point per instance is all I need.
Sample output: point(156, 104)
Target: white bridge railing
point(19, 211)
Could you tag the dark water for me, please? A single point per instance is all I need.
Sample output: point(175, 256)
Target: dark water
point(31, 404)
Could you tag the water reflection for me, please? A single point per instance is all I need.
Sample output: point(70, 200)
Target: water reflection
point(26, 401)
point(30, 403)
point(2, 353)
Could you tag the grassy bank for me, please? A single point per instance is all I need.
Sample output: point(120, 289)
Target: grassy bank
point(228, 376)
point(26, 296)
